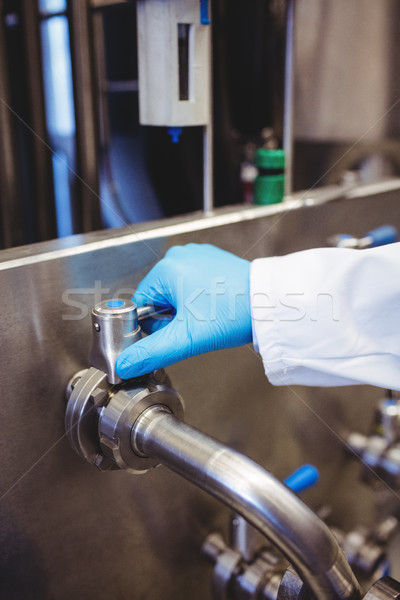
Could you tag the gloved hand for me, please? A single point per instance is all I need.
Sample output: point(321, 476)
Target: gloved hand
point(208, 291)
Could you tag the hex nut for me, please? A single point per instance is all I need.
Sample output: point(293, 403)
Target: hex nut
point(99, 397)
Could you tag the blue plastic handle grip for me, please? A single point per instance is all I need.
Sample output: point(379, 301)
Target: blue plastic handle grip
point(387, 234)
point(302, 479)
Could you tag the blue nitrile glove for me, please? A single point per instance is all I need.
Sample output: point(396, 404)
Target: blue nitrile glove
point(208, 290)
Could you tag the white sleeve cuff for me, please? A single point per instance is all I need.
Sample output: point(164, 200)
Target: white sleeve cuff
point(267, 334)
point(328, 316)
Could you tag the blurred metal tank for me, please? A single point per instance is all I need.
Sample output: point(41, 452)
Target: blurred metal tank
point(346, 109)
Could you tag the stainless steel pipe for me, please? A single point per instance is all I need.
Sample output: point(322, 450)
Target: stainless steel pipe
point(251, 491)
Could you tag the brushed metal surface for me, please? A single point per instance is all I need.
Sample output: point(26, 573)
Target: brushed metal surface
point(69, 531)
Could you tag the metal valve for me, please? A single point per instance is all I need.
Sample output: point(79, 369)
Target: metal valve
point(102, 408)
point(115, 327)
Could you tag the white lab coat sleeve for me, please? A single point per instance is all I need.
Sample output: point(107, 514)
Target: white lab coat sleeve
point(329, 316)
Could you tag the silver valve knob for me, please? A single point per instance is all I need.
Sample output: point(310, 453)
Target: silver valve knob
point(115, 327)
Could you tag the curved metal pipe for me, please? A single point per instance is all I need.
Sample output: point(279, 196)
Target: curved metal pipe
point(254, 493)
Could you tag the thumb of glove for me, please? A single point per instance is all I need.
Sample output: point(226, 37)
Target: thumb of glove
point(156, 351)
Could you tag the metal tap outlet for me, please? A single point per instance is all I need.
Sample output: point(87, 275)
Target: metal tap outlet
point(253, 493)
point(138, 425)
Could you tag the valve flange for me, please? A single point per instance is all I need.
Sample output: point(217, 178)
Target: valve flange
point(100, 416)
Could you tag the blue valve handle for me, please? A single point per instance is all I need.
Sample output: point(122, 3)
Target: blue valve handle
point(387, 234)
point(302, 479)
point(381, 236)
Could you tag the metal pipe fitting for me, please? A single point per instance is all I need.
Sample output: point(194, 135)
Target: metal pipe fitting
point(384, 589)
point(252, 492)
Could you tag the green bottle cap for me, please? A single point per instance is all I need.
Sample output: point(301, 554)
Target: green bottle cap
point(269, 159)
point(269, 190)
point(269, 185)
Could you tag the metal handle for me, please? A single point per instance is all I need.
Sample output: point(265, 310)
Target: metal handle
point(150, 311)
